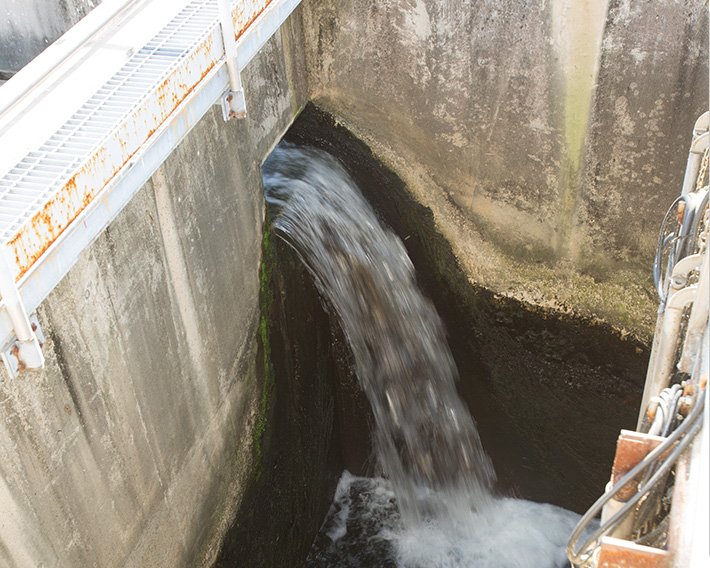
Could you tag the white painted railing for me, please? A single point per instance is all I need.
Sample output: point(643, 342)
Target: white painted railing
point(89, 121)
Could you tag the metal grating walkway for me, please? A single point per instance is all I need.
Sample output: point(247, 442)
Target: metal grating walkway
point(66, 188)
point(97, 131)
point(42, 173)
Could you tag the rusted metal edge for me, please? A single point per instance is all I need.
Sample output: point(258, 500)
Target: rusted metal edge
point(35, 237)
point(114, 152)
point(88, 203)
point(615, 553)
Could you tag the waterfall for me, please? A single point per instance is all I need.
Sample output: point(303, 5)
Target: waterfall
point(439, 481)
point(424, 436)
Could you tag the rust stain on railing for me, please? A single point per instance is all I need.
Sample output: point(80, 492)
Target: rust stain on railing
point(119, 147)
point(247, 18)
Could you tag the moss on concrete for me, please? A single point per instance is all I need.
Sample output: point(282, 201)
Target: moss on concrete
point(620, 300)
point(266, 299)
point(305, 408)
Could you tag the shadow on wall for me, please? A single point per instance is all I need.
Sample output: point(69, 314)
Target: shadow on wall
point(314, 420)
point(549, 392)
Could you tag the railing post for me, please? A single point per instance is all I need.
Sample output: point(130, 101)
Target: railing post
point(233, 102)
point(26, 352)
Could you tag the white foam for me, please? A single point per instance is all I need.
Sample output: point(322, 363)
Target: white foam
point(514, 533)
point(340, 509)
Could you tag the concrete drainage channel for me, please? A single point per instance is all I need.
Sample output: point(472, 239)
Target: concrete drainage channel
point(549, 392)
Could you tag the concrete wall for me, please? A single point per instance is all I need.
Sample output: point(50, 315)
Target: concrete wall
point(133, 447)
point(547, 137)
point(27, 27)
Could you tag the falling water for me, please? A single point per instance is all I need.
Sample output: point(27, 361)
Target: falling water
point(438, 476)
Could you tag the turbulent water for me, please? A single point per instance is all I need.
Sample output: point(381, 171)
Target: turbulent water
point(437, 508)
point(364, 530)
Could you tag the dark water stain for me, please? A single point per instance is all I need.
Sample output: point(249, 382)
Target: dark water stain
point(315, 422)
point(549, 391)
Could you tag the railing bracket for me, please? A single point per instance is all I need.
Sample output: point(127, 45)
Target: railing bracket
point(233, 105)
point(24, 350)
point(20, 355)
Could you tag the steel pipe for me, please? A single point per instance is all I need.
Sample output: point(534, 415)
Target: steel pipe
point(664, 350)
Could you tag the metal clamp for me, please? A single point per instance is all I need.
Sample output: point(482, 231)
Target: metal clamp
point(233, 105)
point(20, 355)
point(25, 352)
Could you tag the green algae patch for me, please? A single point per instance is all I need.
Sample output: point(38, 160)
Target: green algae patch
point(266, 299)
point(624, 296)
point(296, 426)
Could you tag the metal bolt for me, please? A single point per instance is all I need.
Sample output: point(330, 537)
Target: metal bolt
point(679, 281)
point(20, 364)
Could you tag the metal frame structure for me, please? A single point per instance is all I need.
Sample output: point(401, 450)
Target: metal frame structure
point(58, 196)
point(672, 430)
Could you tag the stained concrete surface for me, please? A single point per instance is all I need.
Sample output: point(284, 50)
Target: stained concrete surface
point(135, 445)
point(550, 183)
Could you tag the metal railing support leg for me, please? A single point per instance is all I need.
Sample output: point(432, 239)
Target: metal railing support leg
point(27, 349)
point(233, 102)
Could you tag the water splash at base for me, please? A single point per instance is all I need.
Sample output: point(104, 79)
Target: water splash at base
point(363, 529)
point(425, 438)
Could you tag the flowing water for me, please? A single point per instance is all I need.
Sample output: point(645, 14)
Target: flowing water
point(435, 506)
